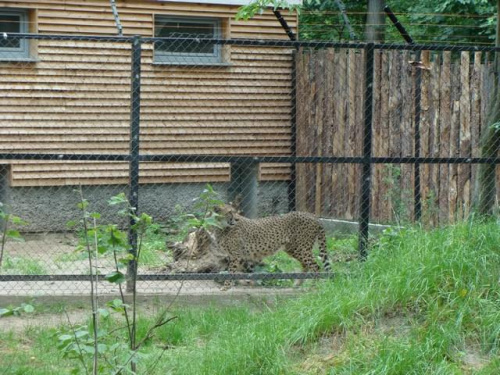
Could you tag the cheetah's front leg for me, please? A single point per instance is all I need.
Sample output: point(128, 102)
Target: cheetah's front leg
point(234, 266)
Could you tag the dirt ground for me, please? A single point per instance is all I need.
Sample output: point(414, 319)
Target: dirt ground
point(55, 253)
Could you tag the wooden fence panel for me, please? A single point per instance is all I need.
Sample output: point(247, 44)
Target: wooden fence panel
point(454, 96)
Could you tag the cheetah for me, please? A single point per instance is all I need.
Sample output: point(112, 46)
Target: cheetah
point(248, 241)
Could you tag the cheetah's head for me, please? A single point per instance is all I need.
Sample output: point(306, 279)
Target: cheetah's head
point(227, 215)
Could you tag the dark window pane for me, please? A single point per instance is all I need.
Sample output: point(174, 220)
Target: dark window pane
point(179, 29)
point(9, 23)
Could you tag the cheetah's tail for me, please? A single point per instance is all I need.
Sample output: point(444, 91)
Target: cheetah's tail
point(322, 249)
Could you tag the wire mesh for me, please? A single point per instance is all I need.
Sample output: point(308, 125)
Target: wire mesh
point(358, 133)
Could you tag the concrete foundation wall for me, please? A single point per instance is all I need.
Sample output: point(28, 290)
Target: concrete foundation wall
point(48, 209)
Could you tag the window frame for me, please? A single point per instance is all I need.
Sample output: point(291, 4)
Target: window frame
point(23, 51)
point(188, 58)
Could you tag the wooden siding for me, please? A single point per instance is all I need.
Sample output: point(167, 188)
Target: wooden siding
point(76, 97)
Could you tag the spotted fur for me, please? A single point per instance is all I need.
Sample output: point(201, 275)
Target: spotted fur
point(248, 241)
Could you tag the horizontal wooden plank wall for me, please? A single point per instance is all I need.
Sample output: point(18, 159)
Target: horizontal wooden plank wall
point(76, 98)
point(455, 91)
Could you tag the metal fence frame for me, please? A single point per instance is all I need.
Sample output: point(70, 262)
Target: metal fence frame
point(134, 158)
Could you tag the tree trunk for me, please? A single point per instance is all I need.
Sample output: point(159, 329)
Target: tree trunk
point(491, 139)
point(375, 22)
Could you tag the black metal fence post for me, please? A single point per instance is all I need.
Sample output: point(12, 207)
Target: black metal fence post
point(292, 186)
point(418, 98)
point(364, 215)
point(135, 112)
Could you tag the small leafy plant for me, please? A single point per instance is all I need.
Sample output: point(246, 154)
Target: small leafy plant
point(17, 310)
point(8, 233)
point(19, 265)
point(204, 216)
point(89, 344)
point(180, 224)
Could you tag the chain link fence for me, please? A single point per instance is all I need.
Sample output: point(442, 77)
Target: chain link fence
point(357, 134)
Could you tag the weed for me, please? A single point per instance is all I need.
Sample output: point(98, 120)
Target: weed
point(8, 220)
point(154, 252)
point(17, 310)
point(23, 266)
point(397, 198)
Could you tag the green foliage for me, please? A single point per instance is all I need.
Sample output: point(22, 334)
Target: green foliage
point(6, 221)
point(495, 126)
point(118, 305)
point(203, 215)
point(77, 343)
point(322, 20)
point(280, 262)
point(16, 310)
point(105, 349)
point(319, 19)
point(448, 21)
point(259, 6)
point(154, 250)
point(109, 240)
point(207, 200)
point(17, 265)
point(451, 21)
point(397, 197)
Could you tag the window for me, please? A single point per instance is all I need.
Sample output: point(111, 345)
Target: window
point(13, 21)
point(187, 52)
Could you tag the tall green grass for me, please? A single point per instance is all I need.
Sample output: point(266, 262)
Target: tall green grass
point(445, 283)
point(424, 302)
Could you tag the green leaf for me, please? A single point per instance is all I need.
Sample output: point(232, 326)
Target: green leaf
point(83, 204)
point(87, 348)
point(12, 233)
point(28, 308)
point(115, 303)
point(118, 199)
point(17, 220)
point(6, 312)
point(495, 126)
point(65, 338)
point(117, 238)
point(95, 215)
point(101, 249)
point(16, 311)
point(104, 313)
point(125, 259)
point(211, 222)
point(81, 333)
point(194, 222)
point(146, 219)
point(115, 277)
point(71, 224)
